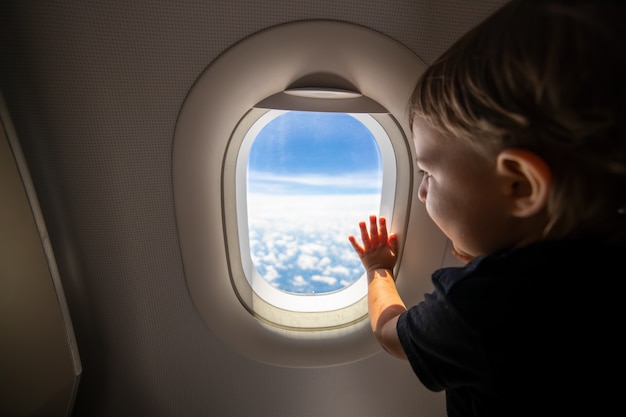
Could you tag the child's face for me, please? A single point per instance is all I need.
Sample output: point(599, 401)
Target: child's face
point(462, 193)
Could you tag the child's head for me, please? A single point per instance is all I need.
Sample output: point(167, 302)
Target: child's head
point(548, 79)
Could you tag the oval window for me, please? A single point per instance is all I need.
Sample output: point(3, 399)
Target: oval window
point(301, 182)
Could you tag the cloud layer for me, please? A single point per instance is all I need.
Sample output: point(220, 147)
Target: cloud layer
point(300, 243)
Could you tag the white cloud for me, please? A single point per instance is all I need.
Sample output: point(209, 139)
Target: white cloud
point(268, 258)
point(278, 213)
point(307, 261)
point(312, 247)
point(354, 180)
point(324, 262)
point(270, 273)
point(337, 270)
point(324, 279)
point(298, 281)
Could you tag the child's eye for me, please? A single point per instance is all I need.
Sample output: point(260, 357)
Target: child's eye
point(425, 174)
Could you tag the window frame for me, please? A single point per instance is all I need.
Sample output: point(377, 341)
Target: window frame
point(262, 65)
point(303, 311)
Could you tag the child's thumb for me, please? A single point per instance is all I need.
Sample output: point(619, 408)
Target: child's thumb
point(393, 242)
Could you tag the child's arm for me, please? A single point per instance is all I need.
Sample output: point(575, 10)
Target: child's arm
point(378, 254)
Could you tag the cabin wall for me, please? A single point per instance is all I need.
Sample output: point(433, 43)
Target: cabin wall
point(39, 362)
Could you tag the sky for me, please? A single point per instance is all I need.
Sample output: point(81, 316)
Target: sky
point(311, 178)
point(318, 153)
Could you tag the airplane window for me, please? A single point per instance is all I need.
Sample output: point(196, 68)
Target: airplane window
point(302, 182)
point(311, 177)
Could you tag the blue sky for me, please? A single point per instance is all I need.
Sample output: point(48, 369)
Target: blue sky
point(319, 153)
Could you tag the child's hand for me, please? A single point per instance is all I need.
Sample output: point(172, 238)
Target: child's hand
point(379, 249)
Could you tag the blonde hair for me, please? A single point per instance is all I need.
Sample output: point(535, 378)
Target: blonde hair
point(548, 77)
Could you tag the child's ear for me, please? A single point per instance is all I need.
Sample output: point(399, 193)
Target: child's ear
point(527, 181)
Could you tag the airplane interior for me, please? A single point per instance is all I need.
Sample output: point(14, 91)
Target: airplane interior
point(179, 180)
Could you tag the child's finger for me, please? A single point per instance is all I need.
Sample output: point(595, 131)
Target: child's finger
point(365, 237)
point(393, 242)
point(373, 230)
point(382, 229)
point(356, 245)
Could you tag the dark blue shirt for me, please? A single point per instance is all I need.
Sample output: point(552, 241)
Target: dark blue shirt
point(526, 332)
